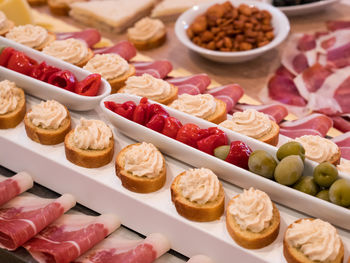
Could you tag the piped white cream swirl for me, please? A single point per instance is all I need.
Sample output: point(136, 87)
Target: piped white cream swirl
point(109, 66)
point(344, 166)
point(143, 160)
point(146, 29)
point(249, 122)
point(316, 239)
point(9, 96)
point(199, 185)
point(252, 210)
point(70, 50)
point(92, 135)
point(201, 105)
point(148, 86)
point(48, 115)
point(29, 35)
point(317, 148)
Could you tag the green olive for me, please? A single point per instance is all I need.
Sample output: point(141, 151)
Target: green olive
point(323, 194)
point(291, 148)
point(289, 170)
point(339, 192)
point(262, 163)
point(222, 151)
point(307, 185)
point(325, 174)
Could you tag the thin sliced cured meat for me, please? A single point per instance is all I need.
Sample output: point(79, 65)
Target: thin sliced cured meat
point(282, 71)
point(314, 124)
point(334, 95)
point(11, 187)
point(334, 25)
point(124, 48)
point(343, 142)
point(283, 89)
point(200, 259)
point(276, 112)
point(193, 85)
point(307, 42)
point(70, 236)
point(26, 215)
point(230, 94)
point(311, 79)
point(341, 123)
point(90, 36)
point(158, 68)
point(117, 250)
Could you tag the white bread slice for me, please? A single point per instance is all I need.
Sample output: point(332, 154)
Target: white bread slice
point(113, 16)
point(169, 10)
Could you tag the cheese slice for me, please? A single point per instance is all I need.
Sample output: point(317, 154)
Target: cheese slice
point(17, 11)
point(169, 10)
point(111, 15)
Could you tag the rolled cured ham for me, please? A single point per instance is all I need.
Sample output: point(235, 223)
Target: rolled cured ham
point(314, 124)
point(124, 48)
point(26, 215)
point(230, 94)
point(117, 250)
point(200, 259)
point(90, 36)
point(11, 187)
point(276, 112)
point(70, 236)
point(343, 142)
point(158, 68)
point(193, 85)
point(341, 123)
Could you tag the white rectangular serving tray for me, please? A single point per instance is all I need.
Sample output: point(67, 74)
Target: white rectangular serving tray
point(288, 196)
point(101, 190)
point(45, 90)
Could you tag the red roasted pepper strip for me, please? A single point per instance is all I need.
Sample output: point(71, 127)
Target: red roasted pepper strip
point(90, 86)
point(157, 122)
point(215, 139)
point(126, 109)
point(43, 71)
point(141, 112)
point(5, 55)
point(190, 133)
point(63, 79)
point(171, 127)
point(19, 62)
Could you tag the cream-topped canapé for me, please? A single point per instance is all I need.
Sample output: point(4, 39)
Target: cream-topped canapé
point(143, 160)
point(201, 105)
point(249, 122)
point(109, 66)
point(9, 96)
point(48, 114)
point(317, 148)
point(252, 210)
point(316, 239)
point(148, 86)
point(92, 135)
point(70, 50)
point(146, 29)
point(29, 35)
point(5, 24)
point(199, 185)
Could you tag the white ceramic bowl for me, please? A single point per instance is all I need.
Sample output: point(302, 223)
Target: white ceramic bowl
point(280, 24)
point(298, 10)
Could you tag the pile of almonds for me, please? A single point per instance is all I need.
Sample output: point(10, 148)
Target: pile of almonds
point(226, 28)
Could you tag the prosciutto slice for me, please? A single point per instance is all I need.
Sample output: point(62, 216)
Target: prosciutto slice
point(26, 215)
point(341, 123)
point(230, 94)
point(334, 25)
point(158, 68)
point(125, 49)
point(90, 36)
point(314, 124)
point(70, 236)
point(200, 259)
point(11, 187)
point(343, 142)
point(276, 112)
point(117, 250)
point(193, 85)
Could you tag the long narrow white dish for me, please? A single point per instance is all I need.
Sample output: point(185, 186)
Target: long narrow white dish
point(282, 194)
point(101, 190)
point(47, 91)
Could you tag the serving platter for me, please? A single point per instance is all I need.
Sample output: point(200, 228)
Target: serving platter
point(45, 90)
